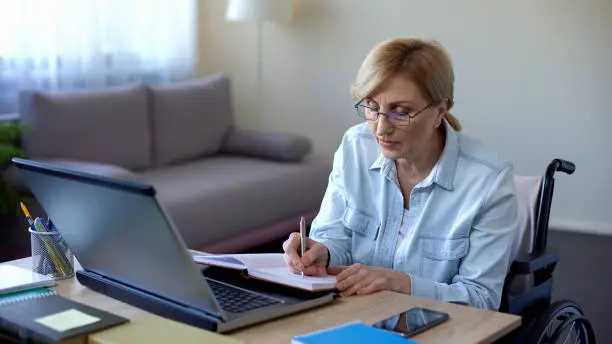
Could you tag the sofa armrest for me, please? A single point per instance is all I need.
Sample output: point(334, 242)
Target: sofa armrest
point(269, 145)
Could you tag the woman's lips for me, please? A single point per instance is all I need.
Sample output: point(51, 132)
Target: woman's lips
point(386, 144)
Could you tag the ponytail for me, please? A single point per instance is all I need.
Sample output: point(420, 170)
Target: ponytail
point(453, 121)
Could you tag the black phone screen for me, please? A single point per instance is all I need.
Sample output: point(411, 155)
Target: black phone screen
point(420, 319)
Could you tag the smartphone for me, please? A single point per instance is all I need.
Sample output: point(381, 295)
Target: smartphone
point(421, 319)
point(417, 320)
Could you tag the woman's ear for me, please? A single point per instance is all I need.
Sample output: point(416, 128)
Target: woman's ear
point(441, 110)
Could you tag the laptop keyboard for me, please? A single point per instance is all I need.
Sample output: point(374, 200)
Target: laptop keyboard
point(237, 300)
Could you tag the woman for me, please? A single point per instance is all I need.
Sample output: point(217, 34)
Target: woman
point(412, 205)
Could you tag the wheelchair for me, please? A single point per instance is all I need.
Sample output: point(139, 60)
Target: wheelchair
point(528, 286)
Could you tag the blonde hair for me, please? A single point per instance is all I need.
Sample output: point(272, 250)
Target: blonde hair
point(425, 63)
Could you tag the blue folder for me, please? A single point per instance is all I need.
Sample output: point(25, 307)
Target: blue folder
point(354, 333)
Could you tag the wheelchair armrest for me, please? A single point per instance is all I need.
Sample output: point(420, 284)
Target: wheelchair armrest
point(534, 261)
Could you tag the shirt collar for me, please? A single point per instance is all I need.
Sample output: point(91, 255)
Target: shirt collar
point(443, 172)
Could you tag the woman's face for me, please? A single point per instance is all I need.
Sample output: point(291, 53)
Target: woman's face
point(405, 137)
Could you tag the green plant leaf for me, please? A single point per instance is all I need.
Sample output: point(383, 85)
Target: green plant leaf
point(10, 132)
point(7, 152)
point(9, 200)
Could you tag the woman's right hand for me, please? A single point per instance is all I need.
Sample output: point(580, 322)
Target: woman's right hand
point(313, 262)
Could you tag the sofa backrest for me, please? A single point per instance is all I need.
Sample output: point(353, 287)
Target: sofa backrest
point(109, 126)
point(135, 127)
point(190, 119)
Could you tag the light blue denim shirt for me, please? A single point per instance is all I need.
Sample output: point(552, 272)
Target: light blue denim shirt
point(463, 218)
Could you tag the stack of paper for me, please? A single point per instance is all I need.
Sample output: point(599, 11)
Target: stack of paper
point(270, 267)
point(17, 279)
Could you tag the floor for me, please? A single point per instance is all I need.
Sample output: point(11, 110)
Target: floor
point(583, 275)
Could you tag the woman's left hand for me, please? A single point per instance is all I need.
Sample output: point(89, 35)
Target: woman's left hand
point(359, 279)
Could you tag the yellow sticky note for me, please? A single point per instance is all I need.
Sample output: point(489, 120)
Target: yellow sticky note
point(67, 320)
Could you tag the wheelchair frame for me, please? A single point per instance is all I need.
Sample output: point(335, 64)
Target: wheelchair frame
point(534, 305)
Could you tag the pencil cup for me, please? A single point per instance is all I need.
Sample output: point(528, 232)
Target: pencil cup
point(50, 255)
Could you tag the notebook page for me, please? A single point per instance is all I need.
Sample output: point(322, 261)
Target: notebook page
point(283, 275)
point(262, 260)
point(240, 261)
point(226, 261)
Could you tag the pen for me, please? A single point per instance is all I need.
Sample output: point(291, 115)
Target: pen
point(52, 228)
point(58, 244)
point(51, 249)
point(302, 238)
point(27, 215)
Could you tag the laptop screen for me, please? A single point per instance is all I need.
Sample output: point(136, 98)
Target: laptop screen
point(118, 230)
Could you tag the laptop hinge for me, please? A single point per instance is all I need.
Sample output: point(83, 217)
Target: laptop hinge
point(147, 301)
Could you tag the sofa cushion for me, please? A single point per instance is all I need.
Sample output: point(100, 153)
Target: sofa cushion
point(271, 145)
point(190, 119)
point(222, 196)
point(108, 126)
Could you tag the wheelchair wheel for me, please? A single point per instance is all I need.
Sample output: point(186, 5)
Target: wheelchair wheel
point(563, 322)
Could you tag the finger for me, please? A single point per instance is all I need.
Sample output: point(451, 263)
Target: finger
point(290, 263)
point(360, 276)
point(314, 270)
point(360, 283)
point(373, 287)
point(348, 282)
point(353, 269)
point(335, 270)
point(315, 252)
point(291, 251)
point(292, 243)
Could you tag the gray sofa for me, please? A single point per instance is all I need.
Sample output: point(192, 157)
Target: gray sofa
point(226, 189)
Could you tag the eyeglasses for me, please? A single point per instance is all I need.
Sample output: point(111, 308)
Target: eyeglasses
point(371, 114)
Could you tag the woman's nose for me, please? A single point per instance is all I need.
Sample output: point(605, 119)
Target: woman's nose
point(383, 127)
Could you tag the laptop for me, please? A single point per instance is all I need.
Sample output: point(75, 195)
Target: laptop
point(130, 250)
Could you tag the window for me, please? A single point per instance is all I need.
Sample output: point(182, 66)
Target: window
point(80, 44)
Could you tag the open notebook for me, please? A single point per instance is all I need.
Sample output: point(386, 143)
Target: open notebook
point(270, 267)
point(14, 279)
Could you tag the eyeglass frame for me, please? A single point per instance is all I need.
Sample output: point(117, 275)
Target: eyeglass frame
point(390, 114)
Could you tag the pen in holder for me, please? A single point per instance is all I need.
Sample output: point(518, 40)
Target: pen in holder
point(50, 255)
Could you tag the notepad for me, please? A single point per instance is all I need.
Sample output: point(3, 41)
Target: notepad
point(270, 267)
point(354, 333)
point(55, 319)
point(67, 320)
point(17, 279)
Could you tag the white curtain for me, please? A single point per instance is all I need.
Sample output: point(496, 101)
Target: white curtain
point(77, 44)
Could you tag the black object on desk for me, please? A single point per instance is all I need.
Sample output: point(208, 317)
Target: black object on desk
point(53, 319)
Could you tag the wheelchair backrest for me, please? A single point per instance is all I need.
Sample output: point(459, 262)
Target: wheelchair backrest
point(527, 194)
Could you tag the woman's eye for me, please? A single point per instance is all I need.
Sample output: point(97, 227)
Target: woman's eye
point(402, 111)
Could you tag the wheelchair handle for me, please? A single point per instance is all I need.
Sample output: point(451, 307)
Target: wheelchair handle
point(546, 193)
point(560, 165)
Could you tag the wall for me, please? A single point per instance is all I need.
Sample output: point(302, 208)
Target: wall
point(532, 78)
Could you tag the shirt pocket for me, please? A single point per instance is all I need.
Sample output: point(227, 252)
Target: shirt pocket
point(441, 257)
point(364, 230)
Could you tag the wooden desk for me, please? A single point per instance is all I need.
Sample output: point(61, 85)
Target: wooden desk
point(466, 324)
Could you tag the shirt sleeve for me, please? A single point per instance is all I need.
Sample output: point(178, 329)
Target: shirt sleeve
point(480, 279)
point(328, 227)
